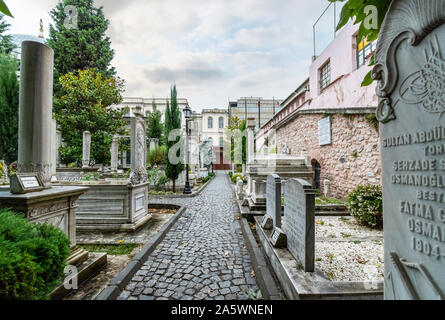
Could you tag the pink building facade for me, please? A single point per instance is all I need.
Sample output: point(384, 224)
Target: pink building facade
point(330, 116)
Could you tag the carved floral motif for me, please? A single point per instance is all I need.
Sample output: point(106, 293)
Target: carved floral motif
point(408, 21)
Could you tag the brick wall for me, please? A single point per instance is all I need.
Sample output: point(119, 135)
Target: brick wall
point(352, 159)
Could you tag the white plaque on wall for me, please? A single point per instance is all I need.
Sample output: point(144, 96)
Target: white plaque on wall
point(324, 131)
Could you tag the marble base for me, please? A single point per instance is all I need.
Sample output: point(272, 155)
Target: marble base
point(56, 206)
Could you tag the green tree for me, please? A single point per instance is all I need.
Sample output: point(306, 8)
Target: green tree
point(6, 44)
point(236, 130)
point(80, 47)
point(356, 9)
point(83, 106)
point(9, 106)
point(173, 122)
point(155, 127)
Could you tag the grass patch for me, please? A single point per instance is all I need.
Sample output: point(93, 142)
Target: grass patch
point(111, 249)
point(325, 200)
point(343, 219)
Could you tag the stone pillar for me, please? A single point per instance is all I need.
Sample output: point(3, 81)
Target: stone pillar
point(58, 145)
point(250, 140)
point(138, 148)
point(326, 188)
point(114, 154)
point(35, 110)
point(86, 149)
point(307, 158)
point(54, 151)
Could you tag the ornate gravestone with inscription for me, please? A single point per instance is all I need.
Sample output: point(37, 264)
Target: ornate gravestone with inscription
point(299, 222)
point(410, 69)
point(138, 149)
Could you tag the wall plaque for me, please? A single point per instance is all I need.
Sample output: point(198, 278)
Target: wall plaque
point(324, 131)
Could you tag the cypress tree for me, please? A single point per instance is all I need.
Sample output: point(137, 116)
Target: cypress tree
point(9, 106)
point(80, 47)
point(154, 124)
point(172, 122)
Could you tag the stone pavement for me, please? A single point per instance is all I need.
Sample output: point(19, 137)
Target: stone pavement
point(203, 256)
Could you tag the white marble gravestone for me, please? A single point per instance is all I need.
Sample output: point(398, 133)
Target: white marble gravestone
point(138, 149)
point(299, 222)
point(273, 196)
point(114, 154)
point(86, 149)
point(410, 69)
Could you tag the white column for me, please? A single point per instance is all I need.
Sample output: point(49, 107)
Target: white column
point(86, 149)
point(35, 110)
point(114, 154)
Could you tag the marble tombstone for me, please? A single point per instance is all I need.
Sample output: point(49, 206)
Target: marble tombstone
point(410, 70)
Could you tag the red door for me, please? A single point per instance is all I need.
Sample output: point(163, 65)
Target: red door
point(221, 163)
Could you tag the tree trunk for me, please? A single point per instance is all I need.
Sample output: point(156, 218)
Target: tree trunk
point(174, 186)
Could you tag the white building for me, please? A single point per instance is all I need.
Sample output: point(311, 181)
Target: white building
point(210, 124)
point(147, 106)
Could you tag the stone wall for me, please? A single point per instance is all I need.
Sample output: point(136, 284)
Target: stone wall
point(353, 157)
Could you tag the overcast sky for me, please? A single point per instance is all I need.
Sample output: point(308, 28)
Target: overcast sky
point(214, 50)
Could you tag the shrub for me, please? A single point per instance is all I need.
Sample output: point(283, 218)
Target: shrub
point(32, 257)
point(157, 157)
point(365, 205)
point(236, 176)
point(159, 180)
point(208, 178)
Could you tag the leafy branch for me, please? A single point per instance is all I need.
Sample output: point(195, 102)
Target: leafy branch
point(4, 9)
point(357, 9)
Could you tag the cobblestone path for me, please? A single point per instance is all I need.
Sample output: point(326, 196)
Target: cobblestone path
point(203, 256)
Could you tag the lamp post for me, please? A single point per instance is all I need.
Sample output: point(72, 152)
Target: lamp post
point(187, 116)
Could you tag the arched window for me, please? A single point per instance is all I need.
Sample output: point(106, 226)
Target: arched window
point(196, 126)
point(210, 123)
point(221, 142)
point(221, 122)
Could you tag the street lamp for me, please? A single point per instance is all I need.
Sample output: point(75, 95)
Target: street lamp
point(187, 116)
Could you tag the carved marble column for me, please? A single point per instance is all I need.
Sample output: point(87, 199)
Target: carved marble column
point(138, 149)
point(114, 154)
point(35, 110)
point(86, 149)
point(250, 139)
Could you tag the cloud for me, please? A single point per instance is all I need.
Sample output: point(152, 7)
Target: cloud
point(169, 75)
point(213, 50)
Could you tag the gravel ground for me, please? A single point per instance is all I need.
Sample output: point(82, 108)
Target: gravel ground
point(343, 227)
point(346, 251)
